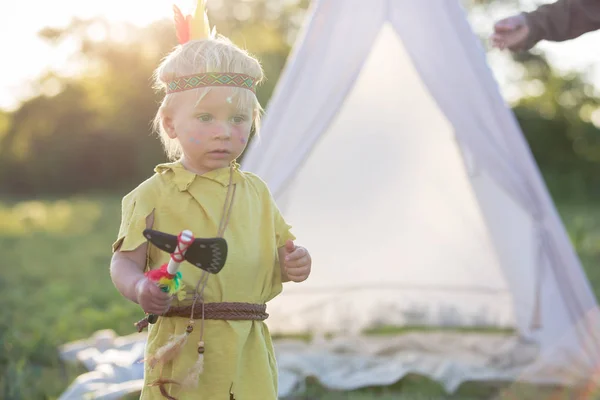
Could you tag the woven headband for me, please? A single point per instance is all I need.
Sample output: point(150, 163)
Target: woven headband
point(196, 26)
point(212, 79)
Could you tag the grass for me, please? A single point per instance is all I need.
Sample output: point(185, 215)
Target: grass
point(55, 288)
point(415, 387)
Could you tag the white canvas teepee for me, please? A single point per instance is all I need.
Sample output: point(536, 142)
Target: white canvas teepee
point(389, 149)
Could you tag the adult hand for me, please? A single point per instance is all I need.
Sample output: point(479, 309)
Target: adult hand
point(510, 33)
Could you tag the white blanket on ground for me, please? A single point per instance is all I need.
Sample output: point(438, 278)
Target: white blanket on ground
point(343, 363)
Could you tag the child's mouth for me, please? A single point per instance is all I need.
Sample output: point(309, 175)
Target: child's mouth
point(220, 153)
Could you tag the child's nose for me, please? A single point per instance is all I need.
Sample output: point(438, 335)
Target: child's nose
point(222, 131)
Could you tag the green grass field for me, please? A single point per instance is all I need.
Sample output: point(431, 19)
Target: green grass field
point(55, 288)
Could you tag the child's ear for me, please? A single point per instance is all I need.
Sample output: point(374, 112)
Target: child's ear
point(166, 120)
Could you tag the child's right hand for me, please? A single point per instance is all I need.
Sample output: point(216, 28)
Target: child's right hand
point(151, 298)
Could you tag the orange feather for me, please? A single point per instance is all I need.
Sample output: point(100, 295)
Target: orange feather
point(182, 25)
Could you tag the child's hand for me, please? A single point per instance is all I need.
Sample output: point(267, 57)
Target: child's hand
point(151, 298)
point(296, 263)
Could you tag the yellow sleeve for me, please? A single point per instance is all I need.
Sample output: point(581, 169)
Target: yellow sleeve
point(282, 228)
point(283, 231)
point(135, 208)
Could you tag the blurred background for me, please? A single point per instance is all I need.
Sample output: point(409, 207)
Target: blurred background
point(76, 106)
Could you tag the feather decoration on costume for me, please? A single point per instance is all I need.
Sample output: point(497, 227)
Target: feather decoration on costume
point(193, 27)
point(191, 381)
point(169, 351)
point(161, 383)
point(168, 283)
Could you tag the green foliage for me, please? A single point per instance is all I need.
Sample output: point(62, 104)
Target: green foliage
point(555, 115)
point(55, 287)
point(92, 132)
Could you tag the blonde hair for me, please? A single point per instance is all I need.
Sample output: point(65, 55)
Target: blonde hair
point(199, 56)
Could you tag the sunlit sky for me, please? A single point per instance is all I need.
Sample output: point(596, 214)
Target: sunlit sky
point(25, 56)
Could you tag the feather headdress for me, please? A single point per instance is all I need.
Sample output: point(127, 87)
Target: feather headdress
point(197, 27)
point(193, 27)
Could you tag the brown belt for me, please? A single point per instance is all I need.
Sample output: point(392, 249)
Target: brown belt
point(220, 311)
point(224, 311)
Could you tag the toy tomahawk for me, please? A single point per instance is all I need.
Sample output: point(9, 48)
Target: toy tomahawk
point(207, 254)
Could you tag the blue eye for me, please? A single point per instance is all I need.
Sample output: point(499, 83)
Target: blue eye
point(205, 117)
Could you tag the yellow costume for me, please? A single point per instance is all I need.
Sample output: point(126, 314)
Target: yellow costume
point(239, 356)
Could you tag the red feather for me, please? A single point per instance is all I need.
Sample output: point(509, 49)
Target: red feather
point(155, 274)
point(182, 25)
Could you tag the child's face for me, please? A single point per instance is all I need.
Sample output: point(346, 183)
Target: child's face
point(212, 133)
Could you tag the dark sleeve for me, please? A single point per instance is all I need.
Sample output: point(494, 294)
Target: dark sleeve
point(562, 20)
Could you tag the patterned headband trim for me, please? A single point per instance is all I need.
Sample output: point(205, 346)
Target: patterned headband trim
point(211, 79)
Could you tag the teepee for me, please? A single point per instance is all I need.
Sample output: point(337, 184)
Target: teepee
point(389, 149)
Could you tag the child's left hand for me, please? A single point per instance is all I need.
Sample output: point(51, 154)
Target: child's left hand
point(295, 262)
